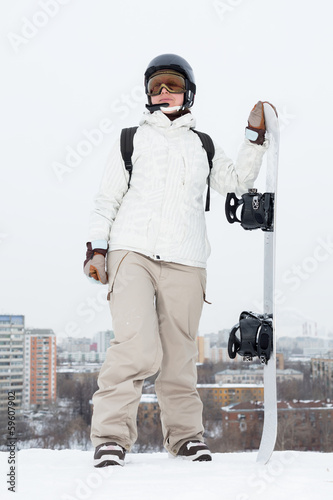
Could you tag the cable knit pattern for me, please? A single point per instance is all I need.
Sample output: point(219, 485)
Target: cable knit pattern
point(162, 214)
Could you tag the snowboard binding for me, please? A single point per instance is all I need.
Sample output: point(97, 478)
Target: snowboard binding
point(257, 210)
point(255, 337)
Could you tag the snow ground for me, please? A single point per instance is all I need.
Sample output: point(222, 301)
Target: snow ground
point(70, 475)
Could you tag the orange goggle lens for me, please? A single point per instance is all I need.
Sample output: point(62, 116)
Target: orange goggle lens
point(173, 82)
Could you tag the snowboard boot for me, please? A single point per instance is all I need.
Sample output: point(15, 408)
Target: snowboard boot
point(109, 454)
point(196, 451)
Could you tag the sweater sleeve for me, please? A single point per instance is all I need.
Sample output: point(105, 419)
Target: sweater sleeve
point(113, 188)
point(238, 177)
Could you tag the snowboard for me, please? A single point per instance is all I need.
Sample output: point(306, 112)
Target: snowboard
point(270, 396)
point(255, 334)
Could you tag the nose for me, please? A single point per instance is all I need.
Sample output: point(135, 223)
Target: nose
point(164, 90)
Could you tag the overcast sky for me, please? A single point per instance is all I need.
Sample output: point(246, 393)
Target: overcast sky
point(70, 67)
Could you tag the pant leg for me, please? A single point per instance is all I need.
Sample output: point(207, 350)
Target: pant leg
point(179, 301)
point(134, 355)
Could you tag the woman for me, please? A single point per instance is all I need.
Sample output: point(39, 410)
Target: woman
point(153, 236)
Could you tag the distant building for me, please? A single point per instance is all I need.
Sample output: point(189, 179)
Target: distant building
point(226, 394)
point(219, 354)
point(321, 352)
point(75, 344)
point(322, 369)
point(203, 345)
point(280, 360)
point(103, 339)
point(303, 345)
point(248, 376)
point(149, 410)
point(40, 359)
point(303, 425)
point(213, 348)
point(84, 349)
point(289, 375)
point(255, 376)
point(11, 358)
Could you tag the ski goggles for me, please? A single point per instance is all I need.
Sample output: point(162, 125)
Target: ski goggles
point(170, 80)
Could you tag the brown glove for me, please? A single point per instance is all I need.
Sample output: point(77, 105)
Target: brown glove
point(94, 265)
point(255, 131)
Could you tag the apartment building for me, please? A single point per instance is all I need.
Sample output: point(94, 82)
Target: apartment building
point(246, 376)
point(40, 356)
point(227, 394)
point(322, 369)
point(256, 376)
point(11, 358)
point(203, 346)
point(149, 410)
point(102, 340)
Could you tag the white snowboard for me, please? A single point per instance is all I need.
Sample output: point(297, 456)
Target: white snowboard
point(268, 438)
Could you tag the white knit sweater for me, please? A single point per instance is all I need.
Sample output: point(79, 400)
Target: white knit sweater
point(162, 214)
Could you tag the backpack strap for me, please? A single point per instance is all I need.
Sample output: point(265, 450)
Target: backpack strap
point(208, 145)
point(126, 148)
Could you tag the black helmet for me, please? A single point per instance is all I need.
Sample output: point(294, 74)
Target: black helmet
point(177, 63)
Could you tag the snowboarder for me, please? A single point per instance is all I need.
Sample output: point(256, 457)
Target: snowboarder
point(148, 242)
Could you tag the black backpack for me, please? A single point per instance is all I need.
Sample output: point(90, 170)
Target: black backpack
point(126, 147)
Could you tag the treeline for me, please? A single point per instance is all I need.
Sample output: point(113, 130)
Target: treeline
point(66, 423)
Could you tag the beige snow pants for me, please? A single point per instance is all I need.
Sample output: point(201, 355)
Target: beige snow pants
point(156, 308)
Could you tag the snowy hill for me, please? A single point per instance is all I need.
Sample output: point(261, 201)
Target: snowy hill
point(70, 475)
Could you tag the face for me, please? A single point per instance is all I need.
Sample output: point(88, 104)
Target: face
point(171, 98)
point(173, 91)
